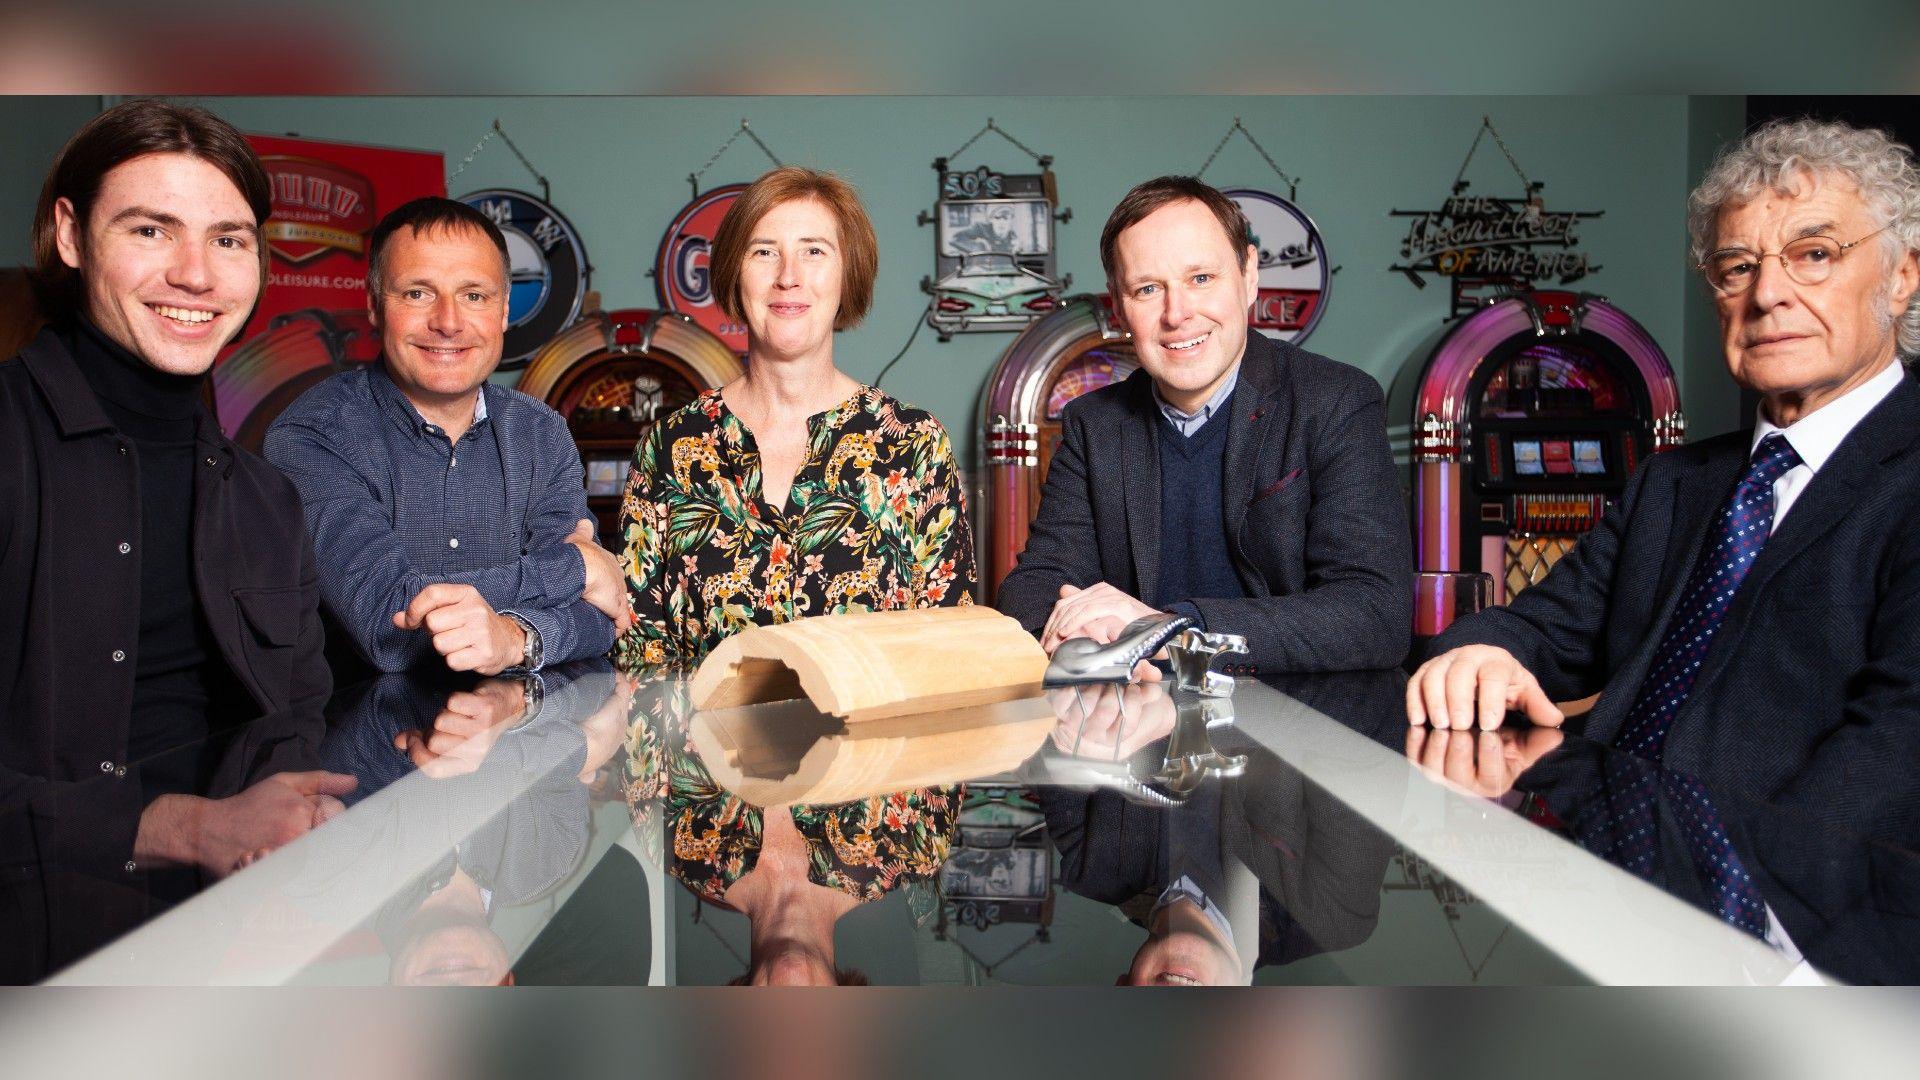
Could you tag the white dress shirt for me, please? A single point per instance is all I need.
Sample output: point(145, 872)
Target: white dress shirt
point(1818, 434)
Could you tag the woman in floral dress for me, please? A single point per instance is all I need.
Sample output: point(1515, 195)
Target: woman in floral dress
point(794, 490)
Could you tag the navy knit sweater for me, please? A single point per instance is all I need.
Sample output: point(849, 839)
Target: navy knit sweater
point(1193, 535)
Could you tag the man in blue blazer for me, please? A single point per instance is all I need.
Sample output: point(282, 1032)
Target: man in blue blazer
point(1234, 479)
point(1749, 611)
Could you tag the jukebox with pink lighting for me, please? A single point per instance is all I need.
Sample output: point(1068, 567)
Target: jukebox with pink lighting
point(1529, 416)
point(612, 374)
point(1074, 349)
point(298, 350)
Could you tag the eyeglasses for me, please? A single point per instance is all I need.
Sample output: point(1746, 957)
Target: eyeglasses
point(1808, 260)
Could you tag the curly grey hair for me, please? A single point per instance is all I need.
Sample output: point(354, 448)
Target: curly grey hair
point(1781, 154)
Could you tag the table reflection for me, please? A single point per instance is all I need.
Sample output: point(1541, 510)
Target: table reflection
point(1248, 867)
point(587, 826)
point(1832, 902)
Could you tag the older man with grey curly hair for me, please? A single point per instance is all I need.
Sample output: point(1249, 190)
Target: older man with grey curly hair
point(1749, 611)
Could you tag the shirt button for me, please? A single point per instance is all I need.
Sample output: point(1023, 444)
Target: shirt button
point(210, 461)
point(130, 868)
point(453, 542)
point(119, 655)
point(119, 771)
point(125, 547)
point(106, 766)
point(452, 461)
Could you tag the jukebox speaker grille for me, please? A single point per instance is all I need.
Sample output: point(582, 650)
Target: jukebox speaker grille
point(1530, 557)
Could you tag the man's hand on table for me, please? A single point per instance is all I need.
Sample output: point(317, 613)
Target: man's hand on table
point(606, 587)
point(466, 631)
point(223, 835)
point(1484, 763)
point(1100, 612)
point(465, 729)
point(1476, 681)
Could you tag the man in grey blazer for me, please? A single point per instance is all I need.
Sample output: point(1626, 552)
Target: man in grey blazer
point(1234, 479)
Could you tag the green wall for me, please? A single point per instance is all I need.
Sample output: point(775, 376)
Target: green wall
point(618, 166)
point(35, 128)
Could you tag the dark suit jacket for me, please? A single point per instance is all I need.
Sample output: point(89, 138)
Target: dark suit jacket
point(70, 619)
point(1810, 695)
point(1315, 519)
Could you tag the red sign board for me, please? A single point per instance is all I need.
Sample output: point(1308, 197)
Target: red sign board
point(311, 320)
point(681, 271)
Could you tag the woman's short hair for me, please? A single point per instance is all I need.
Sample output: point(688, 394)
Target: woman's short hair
point(1786, 156)
point(859, 251)
point(129, 130)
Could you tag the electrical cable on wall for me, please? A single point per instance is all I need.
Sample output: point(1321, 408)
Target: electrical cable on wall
point(919, 321)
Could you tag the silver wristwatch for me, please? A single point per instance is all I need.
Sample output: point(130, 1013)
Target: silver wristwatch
point(530, 655)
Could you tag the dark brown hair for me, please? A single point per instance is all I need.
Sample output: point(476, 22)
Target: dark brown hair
point(859, 251)
point(129, 130)
point(428, 213)
point(1145, 198)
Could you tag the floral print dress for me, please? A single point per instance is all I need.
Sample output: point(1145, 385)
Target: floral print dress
point(875, 521)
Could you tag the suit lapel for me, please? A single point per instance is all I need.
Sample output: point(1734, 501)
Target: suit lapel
point(1697, 501)
point(1834, 492)
point(1139, 441)
point(1263, 375)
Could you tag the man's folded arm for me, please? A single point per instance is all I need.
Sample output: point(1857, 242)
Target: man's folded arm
point(365, 575)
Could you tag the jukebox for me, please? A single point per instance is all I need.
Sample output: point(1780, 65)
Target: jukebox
point(611, 374)
point(255, 385)
point(1072, 350)
point(1530, 415)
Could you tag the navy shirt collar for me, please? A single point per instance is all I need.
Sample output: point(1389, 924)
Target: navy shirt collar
point(402, 412)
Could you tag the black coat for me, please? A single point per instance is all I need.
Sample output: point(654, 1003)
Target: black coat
point(1809, 697)
point(1315, 520)
point(70, 617)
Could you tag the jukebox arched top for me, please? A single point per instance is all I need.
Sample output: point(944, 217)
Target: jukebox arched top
point(1074, 349)
point(1582, 342)
point(1529, 415)
point(611, 375)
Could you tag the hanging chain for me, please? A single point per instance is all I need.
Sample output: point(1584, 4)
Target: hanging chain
point(1486, 126)
point(496, 131)
point(1002, 132)
point(693, 178)
point(1293, 185)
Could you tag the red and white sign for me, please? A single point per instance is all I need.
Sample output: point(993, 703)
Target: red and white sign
point(682, 269)
point(1294, 275)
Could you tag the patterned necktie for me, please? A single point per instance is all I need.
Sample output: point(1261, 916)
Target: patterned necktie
point(1739, 534)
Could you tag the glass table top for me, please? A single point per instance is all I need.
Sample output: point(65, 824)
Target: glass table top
point(587, 826)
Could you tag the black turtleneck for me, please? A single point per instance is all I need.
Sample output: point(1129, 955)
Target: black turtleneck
point(180, 677)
